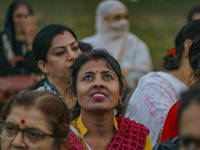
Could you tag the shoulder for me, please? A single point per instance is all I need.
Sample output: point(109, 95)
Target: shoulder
point(153, 78)
point(74, 141)
point(132, 125)
point(134, 134)
point(174, 108)
point(171, 144)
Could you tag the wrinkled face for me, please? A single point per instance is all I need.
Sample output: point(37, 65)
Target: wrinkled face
point(190, 127)
point(24, 119)
point(60, 56)
point(97, 87)
point(19, 18)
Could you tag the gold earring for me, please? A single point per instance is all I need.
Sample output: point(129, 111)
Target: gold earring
point(43, 76)
point(120, 99)
point(75, 99)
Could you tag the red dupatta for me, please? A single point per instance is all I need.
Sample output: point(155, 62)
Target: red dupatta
point(130, 136)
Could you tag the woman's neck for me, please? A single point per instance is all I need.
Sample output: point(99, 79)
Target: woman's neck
point(100, 129)
point(184, 75)
point(62, 88)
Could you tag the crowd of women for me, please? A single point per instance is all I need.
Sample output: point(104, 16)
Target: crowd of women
point(96, 94)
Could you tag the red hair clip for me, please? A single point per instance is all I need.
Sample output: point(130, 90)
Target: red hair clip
point(172, 51)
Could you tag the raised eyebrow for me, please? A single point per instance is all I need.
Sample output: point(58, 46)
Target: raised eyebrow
point(107, 71)
point(89, 72)
point(73, 42)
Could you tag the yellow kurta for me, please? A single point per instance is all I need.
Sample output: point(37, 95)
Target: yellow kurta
point(83, 130)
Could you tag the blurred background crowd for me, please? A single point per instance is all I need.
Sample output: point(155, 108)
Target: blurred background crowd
point(156, 22)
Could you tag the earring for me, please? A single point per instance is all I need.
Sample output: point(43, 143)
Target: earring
point(43, 76)
point(75, 99)
point(120, 99)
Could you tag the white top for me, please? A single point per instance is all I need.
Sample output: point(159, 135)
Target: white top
point(131, 52)
point(153, 97)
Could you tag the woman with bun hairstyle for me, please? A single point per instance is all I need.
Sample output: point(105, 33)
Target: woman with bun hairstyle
point(158, 91)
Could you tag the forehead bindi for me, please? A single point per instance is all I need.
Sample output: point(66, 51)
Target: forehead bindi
point(95, 65)
point(96, 59)
point(22, 121)
point(62, 33)
point(63, 39)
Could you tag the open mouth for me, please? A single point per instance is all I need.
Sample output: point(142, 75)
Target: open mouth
point(99, 95)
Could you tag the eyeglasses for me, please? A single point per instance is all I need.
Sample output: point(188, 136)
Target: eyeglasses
point(33, 137)
point(189, 143)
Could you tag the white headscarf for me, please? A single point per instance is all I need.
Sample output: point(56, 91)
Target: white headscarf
point(131, 52)
point(109, 8)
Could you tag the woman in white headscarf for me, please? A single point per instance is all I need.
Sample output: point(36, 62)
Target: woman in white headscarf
point(112, 33)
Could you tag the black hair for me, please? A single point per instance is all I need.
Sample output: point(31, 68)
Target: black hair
point(194, 10)
point(194, 58)
point(189, 31)
point(9, 27)
point(42, 40)
point(85, 47)
point(84, 58)
point(189, 97)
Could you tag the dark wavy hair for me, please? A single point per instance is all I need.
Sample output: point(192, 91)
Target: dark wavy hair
point(9, 27)
point(55, 111)
point(190, 31)
point(83, 59)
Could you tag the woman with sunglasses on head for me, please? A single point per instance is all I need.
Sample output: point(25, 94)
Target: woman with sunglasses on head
point(34, 120)
point(112, 33)
point(98, 86)
point(55, 48)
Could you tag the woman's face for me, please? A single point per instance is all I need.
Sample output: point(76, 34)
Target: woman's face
point(117, 19)
point(189, 127)
point(117, 14)
point(19, 18)
point(97, 87)
point(63, 51)
point(31, 120)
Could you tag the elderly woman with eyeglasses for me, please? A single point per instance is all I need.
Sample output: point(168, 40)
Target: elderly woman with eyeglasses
point(34, 120)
